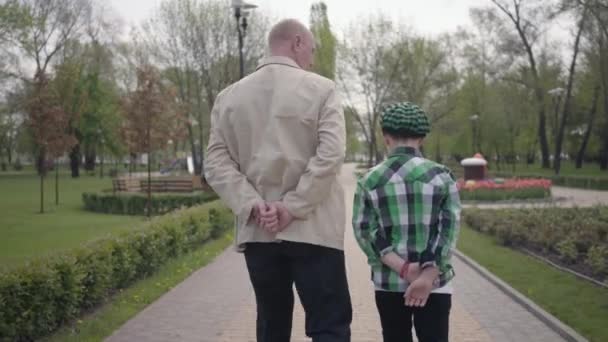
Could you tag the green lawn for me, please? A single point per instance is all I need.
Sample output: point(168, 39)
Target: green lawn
point(25, 233)
point(578, 303)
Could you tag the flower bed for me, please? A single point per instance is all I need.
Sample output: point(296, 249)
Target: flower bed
point(581, 182)
point(504, 189)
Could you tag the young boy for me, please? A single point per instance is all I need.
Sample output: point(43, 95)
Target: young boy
point(406, 219)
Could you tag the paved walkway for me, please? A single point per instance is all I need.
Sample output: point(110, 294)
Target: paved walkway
point(216, 304)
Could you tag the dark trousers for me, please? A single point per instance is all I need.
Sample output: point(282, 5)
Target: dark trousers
point(319, 276)
point(431, 322)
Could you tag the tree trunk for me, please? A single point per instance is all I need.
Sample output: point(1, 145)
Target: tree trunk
point(56, 182)
point(198, 167)
point(592, 114)
point(41, 164)
point(75, 161)
point(149, 189)
point(438, 150)
point(604, 155)
point(90, 156)
point(542, 138)
point(41, 193)
point(371, 150)
point(568, 102)
point(604, 76)
point(101, 161)
point(379, 156)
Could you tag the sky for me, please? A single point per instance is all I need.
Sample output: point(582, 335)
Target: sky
point(427, 17)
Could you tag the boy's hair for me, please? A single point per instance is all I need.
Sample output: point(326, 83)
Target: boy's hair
point(401, 134)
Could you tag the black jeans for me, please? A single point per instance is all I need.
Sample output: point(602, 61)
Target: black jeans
point(319, 275)
point(431, 322)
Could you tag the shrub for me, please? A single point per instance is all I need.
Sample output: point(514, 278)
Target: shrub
point(567, 250)
point(136, 203)
point(493, 195)
point(572, 234)
point(597, 258)
point(39, 297)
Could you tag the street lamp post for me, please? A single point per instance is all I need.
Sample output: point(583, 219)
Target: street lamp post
point(101, 157)
point(242, 10)
point(474, 119)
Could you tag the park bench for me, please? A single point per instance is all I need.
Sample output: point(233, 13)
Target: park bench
point(168, 185)
point(126, 185)
point(173, 184)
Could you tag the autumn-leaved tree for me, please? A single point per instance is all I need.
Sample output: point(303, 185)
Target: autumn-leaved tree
point(152, 117)
point(48, 125)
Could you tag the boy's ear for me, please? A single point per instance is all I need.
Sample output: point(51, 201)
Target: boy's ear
point(387, 139)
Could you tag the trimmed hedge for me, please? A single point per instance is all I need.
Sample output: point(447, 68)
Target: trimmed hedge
point(578, 237)
point(39, 297)
point(582, 182)
point(494, 195)
point(136, 203)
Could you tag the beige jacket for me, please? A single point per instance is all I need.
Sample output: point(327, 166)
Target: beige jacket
point(279, 134)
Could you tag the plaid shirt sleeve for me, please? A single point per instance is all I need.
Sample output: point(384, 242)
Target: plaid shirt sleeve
point(367, 230)
point(444, 233)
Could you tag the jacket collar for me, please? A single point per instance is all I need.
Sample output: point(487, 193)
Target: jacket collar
point(281, 60)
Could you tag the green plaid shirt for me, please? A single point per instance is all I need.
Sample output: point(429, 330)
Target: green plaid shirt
point(408, 205)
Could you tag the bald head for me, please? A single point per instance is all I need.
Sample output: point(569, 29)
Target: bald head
point(290, 38)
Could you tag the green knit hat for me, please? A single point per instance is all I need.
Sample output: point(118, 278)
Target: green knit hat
point(405, 116)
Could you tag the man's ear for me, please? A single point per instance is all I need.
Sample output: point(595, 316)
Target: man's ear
point(298, 42)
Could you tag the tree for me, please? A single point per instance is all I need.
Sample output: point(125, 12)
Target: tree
point(152, 117)
point(69, 84)
point(326, 43)
point(370, 61)
point(53, 24)
point(13, 19)
point(48, 124)
point(46, 27)
point(193, 42)
point(11, 120)
point(527, 19)
point(568, 100)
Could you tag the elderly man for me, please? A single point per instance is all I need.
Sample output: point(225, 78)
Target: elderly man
point(276, 147)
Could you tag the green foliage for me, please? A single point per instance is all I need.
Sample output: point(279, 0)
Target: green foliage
point(14, 17)
point(492, 195)
point(43, 295)
point(136, 203)
point(326, 43)
point(597, 258)
point(567, 250)
point(575, 235)
point(129, 302)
